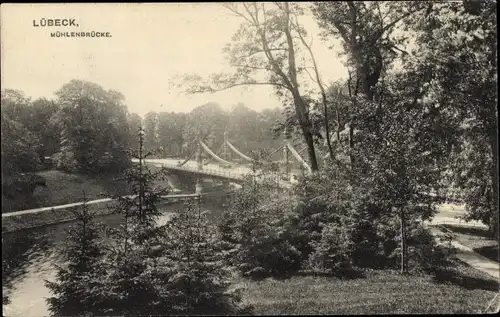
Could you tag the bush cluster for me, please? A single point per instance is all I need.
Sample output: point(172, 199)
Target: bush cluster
point(325, 227)
point(141, 268)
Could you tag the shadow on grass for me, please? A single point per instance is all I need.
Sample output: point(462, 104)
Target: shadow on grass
point(479, 232)
point(351, 274)
point(342, 275)
point(490, 252)
point(453, 276)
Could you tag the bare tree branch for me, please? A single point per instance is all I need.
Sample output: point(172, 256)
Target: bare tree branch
point(229, 7)
point(212, 90)
point(260, 51)
point(251, 67)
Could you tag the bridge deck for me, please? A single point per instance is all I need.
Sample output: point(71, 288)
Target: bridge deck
point(238, 172)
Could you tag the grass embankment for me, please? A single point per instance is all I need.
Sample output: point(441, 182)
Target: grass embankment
point(62, 188)
point(455, 289)
point(48, 217)
point(65, 188)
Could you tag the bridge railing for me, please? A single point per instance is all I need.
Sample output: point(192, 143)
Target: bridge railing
point(205, 170)
point(239, 174)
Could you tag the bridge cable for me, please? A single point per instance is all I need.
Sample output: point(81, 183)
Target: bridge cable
point(207, 149)
point(211, 158)
point(297, 156)
point(235, 150)
point(187, 160)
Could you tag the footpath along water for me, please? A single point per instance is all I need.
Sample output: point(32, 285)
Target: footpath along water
point(31, 255)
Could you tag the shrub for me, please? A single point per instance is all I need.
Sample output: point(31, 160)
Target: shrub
point(77, 288)
point(65, 161)
point(261, 240)
point(424, 254)
point(373, 239)
point(333, 253)
point(145, 269)
point(195, 277)
point(269, 251)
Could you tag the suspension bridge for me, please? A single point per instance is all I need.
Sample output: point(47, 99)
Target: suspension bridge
point(231, 164)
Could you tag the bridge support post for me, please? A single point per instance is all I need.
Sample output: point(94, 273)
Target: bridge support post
point(199, 159)
point(199, 187)
point(287, 167)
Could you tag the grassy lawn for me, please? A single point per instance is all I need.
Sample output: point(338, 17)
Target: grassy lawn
point(477, 239)
point(457, 289)
point(64, 188)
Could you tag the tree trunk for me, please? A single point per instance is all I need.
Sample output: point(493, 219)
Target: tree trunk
point(338, 124)
point(494, 224)
point(351, 143)
point(310, 150)
point(300, 109)
point(327, 126)
point(403, 241)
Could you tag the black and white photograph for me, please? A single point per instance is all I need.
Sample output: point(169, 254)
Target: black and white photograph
point(249, 158)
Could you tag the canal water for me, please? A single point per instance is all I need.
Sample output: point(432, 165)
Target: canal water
point(31, 256)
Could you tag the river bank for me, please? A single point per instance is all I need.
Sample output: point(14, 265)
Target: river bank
point(30, 255)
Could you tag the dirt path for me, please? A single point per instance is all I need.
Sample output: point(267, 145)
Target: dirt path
point(447, 215)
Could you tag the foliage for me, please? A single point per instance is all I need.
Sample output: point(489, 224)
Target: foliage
point(28, 131)
point(206, 123)
point(19, 148)
point(170, 132)
point(151, 131)
point(322, 197)
point(476, 185)
point(366, 30)
point(257, 228)
point(94, 128)
point(174, 133)
point(250, 130)
point(193, 264)
point(42, 124)
point(78, 285)
point(269, 44)
point(21, 151)
point(146, 269)
point(348, 221)
point(135, 123)
point(266, 242)
point(333, 253)
point(464, 68)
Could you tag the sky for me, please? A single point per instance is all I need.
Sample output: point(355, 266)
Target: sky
point(151, 44)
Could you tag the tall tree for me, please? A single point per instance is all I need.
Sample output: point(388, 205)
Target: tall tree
point(20, 147)
point(457, 44)
point(135, 123)
point(170, 132)
point(270, 42)
point(16, 105)
point(368, 37)
point(241, 128)
point(43, 125)
point(94, 125)
point(151, 130)
point(78, 285)
point(205, 123)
